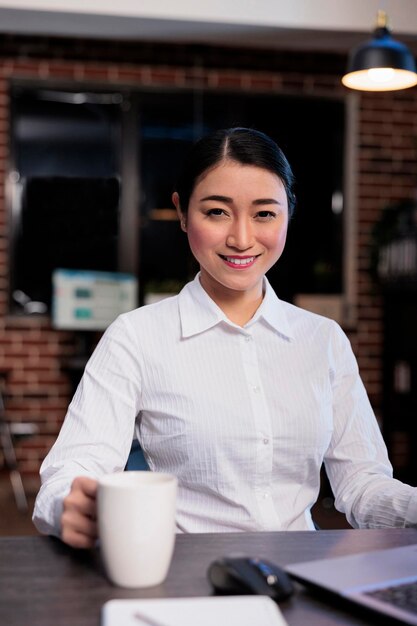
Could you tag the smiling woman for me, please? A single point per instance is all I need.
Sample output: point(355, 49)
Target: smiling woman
point(234, 237)
point(240, 395)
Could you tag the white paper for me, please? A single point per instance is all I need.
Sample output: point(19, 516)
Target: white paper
point(215, 610)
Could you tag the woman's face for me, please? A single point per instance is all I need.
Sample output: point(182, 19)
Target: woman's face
point(237, 226)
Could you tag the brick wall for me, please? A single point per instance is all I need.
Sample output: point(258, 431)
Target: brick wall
point(31, 352)
point(387, 173)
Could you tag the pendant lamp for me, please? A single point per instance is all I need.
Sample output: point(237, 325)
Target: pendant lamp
point(382, 63)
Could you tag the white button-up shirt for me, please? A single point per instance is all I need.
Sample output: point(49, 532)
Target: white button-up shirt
point(244, 417)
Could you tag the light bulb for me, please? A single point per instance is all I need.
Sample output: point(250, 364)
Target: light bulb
point(381, 74)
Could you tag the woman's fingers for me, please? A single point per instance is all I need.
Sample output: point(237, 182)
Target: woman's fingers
point(78, 535)
point(78, 520)
point(82, 497)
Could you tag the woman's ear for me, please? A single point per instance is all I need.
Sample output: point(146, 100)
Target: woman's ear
point(181, 215)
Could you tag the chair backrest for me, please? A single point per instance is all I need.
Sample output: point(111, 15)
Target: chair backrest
point(2, 408)
point(136, 460)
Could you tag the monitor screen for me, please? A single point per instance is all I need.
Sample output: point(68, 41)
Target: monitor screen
point(90, 300)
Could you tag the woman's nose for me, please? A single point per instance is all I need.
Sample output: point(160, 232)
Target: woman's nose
point(240, 235)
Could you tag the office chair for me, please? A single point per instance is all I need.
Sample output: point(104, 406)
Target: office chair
point(136, 460)
point(7, 432)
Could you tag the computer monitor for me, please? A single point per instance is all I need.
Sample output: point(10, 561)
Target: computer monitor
point(90, 300)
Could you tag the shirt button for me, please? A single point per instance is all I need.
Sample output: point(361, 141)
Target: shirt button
point(266, 441)
point(248, 338)
point(265, 496)
point(256, 389)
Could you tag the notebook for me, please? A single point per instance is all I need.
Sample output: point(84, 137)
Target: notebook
point(218, 610)
point(384, 580)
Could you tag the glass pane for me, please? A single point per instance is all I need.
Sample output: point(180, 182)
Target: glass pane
point(66, 209)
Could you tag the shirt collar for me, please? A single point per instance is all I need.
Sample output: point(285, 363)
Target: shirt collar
point(198, 312)
point(272, 311)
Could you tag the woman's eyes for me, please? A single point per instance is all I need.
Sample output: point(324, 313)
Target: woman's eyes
point(266, 215)
point(262, 215)
point(215, 212)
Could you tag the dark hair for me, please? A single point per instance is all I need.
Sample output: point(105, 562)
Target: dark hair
point(243, 145)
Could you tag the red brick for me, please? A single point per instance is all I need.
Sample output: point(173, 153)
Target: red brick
point(170, 76)
point(230, 80)
point(260, 82)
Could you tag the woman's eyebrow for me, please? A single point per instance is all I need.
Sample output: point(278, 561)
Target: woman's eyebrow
point(262, 201)
point(218, 198)
point(227, 200)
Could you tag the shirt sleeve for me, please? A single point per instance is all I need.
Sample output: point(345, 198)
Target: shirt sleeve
point(97, 432)
point(356, 461)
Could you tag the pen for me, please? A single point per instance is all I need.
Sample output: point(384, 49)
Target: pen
point(150, 621)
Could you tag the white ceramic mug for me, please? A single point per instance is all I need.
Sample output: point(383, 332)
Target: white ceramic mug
point(136, 522)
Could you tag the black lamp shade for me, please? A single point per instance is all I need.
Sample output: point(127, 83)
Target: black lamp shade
point(382, 51)
point(391, 61)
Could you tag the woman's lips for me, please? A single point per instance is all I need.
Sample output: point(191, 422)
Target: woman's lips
point(239, 262)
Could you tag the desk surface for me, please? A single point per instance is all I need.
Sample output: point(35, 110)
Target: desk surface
point(45, 583)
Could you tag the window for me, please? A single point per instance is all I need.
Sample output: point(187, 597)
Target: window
point(84, 163)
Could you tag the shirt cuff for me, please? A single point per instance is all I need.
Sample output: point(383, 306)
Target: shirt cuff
point(411, 513)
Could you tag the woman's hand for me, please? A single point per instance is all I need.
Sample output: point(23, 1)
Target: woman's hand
point(78, 520)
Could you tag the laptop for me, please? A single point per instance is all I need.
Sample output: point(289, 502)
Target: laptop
point(384, 580)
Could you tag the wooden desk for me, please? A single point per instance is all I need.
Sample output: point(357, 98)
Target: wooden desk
point(45, 583)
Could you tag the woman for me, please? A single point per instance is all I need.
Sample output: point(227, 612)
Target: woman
point(240, 395)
